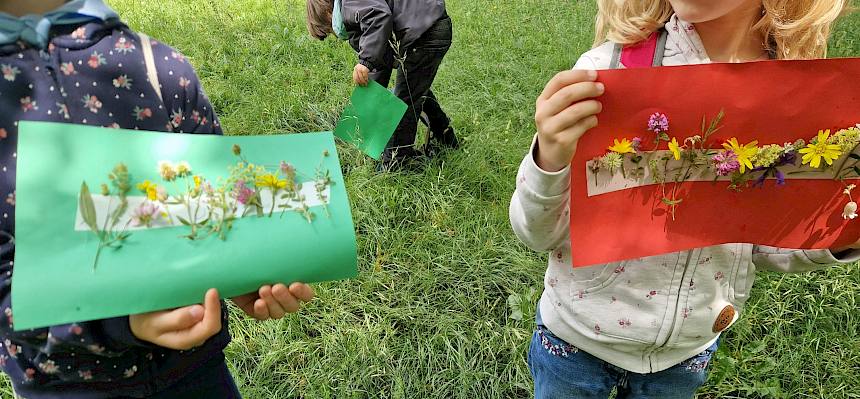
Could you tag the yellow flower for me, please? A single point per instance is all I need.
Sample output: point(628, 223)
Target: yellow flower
point(623, 147)
point(197, 182)
point(814, 152)
point(148, 188)
point(271, 181)
point(183, 169)
point(744, 152)
point(675, 148)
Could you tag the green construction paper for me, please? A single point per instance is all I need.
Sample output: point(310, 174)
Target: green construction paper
point(370, 118)
point(54, 281)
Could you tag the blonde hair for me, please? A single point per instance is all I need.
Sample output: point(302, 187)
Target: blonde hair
point(793, 29)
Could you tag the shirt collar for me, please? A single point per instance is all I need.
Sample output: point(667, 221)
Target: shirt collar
point(35, 29)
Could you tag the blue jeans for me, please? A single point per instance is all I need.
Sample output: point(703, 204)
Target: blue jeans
point(561, 370)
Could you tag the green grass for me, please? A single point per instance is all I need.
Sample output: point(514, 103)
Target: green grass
point(429, 315)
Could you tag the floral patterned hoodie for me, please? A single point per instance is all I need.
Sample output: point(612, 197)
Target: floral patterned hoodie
point(648, 314)
point(91, 73)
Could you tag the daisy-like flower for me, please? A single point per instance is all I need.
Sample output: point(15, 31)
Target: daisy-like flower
point(167, 170)
point(622, 147)
point(271, 181)
point(675, 149)
point(145, 214)
point(814, 152)
point(183, 169)
point(658, 123)
point(726, 162)
point(745, 152)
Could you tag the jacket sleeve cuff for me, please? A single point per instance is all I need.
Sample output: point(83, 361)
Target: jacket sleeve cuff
point(369, 65)
point(827, 257)
point(546, 184)
point(118, 330)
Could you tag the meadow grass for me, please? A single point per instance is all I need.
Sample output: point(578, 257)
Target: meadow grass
point(444, 301)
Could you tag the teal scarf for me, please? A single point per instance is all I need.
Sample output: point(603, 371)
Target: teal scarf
point(34, 29)
point(337, 22)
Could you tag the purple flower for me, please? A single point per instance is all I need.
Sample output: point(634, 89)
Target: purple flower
point(145, 214)
point(726, 162)
point(242, 192)
point(637, 142)
point(658, 123)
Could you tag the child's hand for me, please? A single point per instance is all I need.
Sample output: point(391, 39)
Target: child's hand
point(273, 302)
point(360, 75)
point(565, 111)
point(182, 328)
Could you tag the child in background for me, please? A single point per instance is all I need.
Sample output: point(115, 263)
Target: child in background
point(76, 62)
point(648, 327)
point(410, 36)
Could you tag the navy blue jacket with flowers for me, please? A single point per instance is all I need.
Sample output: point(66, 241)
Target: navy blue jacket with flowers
point(92, 74)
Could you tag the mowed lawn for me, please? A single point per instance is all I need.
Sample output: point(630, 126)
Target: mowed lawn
point(444, 302)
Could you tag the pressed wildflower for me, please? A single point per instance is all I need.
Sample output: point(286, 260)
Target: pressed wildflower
point(145, 214)
point(745, 152)
point(150, 189)
point(637, 143)
point(767, 156)
point(167, 170)
point(611, 161)
point(270, 180)
point(622, 147)
point(846, 139)
point(161, 193)
point(242, 192)
point(726, 162)
point(675, 149)
point(850, 211)
point(183, 169)
point(197, 182)
point(237, 150)
point(658, 123)
point(820, 149)
point(105, 189)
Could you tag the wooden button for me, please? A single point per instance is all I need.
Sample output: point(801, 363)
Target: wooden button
point(724, 319)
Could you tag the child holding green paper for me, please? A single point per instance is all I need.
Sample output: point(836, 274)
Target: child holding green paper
point(76, 62)
point(410, 36)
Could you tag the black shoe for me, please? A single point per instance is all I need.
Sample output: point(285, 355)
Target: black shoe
point(447, 138)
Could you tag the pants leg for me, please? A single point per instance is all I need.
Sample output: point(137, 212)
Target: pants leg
point(678, 382)
point(210, 381)
point(415, 74)
point(562, 371)
point(436, 117)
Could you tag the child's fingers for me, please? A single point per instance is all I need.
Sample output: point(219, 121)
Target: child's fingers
point(261, 310)
point(567, 96)
point(302, 291)
point(564, 79)
point(572, 115)
point(177, 319)
point(211, 323)
point(575, 132)
point(276, 311)
point(285, 298)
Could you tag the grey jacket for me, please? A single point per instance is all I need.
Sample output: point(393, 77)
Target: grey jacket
point(372, 24)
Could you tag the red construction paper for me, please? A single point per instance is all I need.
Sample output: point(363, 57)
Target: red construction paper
point(773, 102)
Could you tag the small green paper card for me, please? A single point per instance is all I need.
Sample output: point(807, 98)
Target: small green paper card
point(370, 118)
point(179, 213)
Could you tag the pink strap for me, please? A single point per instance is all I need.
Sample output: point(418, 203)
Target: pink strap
point(640, 55)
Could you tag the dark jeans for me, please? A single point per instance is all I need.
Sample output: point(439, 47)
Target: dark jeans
point(416, 70)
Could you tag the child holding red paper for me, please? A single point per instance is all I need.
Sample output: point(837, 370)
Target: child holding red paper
point(76, 62)
point(648, 327)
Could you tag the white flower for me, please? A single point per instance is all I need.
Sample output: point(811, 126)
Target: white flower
point(167, 170)
point(849, 188)
point(850, 211)
point(183, 169)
